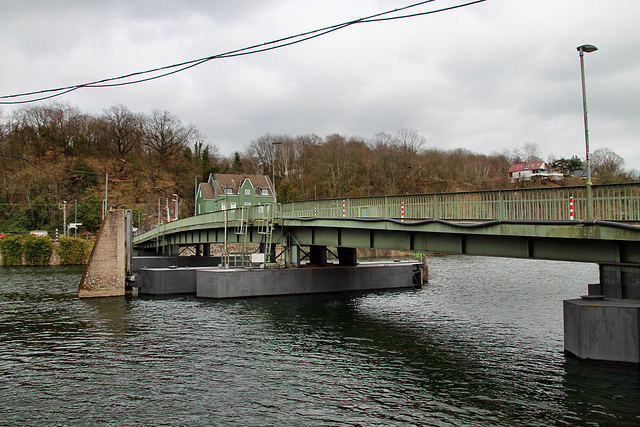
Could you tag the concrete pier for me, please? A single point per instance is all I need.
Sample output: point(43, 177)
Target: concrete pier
point(605, 324)
point(603, 329)
point(105, 274)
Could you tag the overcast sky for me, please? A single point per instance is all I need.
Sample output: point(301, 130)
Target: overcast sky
point(487, 77)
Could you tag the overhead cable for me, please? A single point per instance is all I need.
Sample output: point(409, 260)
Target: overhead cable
point(168, 70)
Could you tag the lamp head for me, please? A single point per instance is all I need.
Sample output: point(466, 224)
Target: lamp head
point(587, 48)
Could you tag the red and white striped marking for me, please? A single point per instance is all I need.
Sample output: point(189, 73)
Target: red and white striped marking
point(571, 208)
point(344, 208)
point(315, 212)
point(402, 210)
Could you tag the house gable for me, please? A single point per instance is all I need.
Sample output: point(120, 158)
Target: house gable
point(228, 191)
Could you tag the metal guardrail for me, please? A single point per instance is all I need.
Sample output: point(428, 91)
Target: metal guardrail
point(615, 202)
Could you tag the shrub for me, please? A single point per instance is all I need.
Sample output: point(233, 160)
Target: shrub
point(90, 212)
point(71, 250)
point(11, 248)
point(37, 250)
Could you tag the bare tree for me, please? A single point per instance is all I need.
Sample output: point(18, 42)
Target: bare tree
point(607, 161)
point(381, 139)
point(531, 152)
point(123, 128)
point(165, 134)
point(409, 140)
point(47, 129)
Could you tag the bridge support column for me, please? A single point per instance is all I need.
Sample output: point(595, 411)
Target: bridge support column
point(347, 256)
point(292, 255)
point(605, 325)
point(318, 255)
point(203, 249)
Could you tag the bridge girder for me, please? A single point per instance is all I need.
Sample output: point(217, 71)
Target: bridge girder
point(565, 241)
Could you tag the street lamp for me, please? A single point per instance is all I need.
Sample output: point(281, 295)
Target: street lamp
point(273, 164)
point(582, 49)
point(195, 198)
point(175, 212)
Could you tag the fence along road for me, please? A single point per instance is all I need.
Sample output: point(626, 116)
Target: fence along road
point(615, 202)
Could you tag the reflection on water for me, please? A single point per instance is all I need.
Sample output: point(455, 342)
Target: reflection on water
point(481, 344)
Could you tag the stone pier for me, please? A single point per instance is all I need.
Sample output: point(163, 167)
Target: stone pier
point(106, 271)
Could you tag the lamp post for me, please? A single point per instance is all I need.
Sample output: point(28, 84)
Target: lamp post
point(273, 165)
point(582, 49)
point(195, 198)
point(175, 212)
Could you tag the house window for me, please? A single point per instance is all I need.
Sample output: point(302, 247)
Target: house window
point(265, 192)
point(247, 203)
point(247, 192)
point(223, 206)
point(228, 190)
point(232, 205)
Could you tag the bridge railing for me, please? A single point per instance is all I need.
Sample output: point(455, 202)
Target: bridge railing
point(233, 217)
point(615, 202)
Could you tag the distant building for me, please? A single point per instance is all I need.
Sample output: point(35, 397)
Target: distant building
point(231, 191)
point(582, 173)
point(532, 170)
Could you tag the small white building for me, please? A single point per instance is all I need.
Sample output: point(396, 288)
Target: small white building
point(532, 170)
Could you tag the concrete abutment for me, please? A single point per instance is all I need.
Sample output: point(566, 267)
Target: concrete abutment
point(605, 324)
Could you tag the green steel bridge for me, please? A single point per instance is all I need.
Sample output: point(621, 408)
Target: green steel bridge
point(521, 223)
point(567, 224)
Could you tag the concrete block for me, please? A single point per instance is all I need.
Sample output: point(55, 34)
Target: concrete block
point(165, 281)
point(603, 329)
point(179, 261)
point(250, 283)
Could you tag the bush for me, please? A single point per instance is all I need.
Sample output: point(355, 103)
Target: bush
point(11, 248)
point(37, 250)
point(90, 213)
point(71, 250)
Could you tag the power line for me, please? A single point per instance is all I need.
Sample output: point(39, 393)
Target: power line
point(250, 50)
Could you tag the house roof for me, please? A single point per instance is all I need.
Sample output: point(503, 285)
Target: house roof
point(219, 181)
point(207, 190)
point(519, 167)
point(582, 173)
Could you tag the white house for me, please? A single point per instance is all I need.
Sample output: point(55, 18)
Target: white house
point(532, 170)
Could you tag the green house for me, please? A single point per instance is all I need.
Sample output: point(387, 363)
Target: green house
point(231, 191)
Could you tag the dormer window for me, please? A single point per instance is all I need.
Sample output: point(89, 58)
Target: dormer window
point(265, 192)
point(228, 190)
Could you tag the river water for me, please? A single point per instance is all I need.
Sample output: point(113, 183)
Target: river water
point(480, 344)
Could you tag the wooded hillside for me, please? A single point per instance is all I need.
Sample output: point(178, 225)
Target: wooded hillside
point(54, 153)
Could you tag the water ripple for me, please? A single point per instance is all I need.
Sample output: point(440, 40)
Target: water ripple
point(469, 348)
